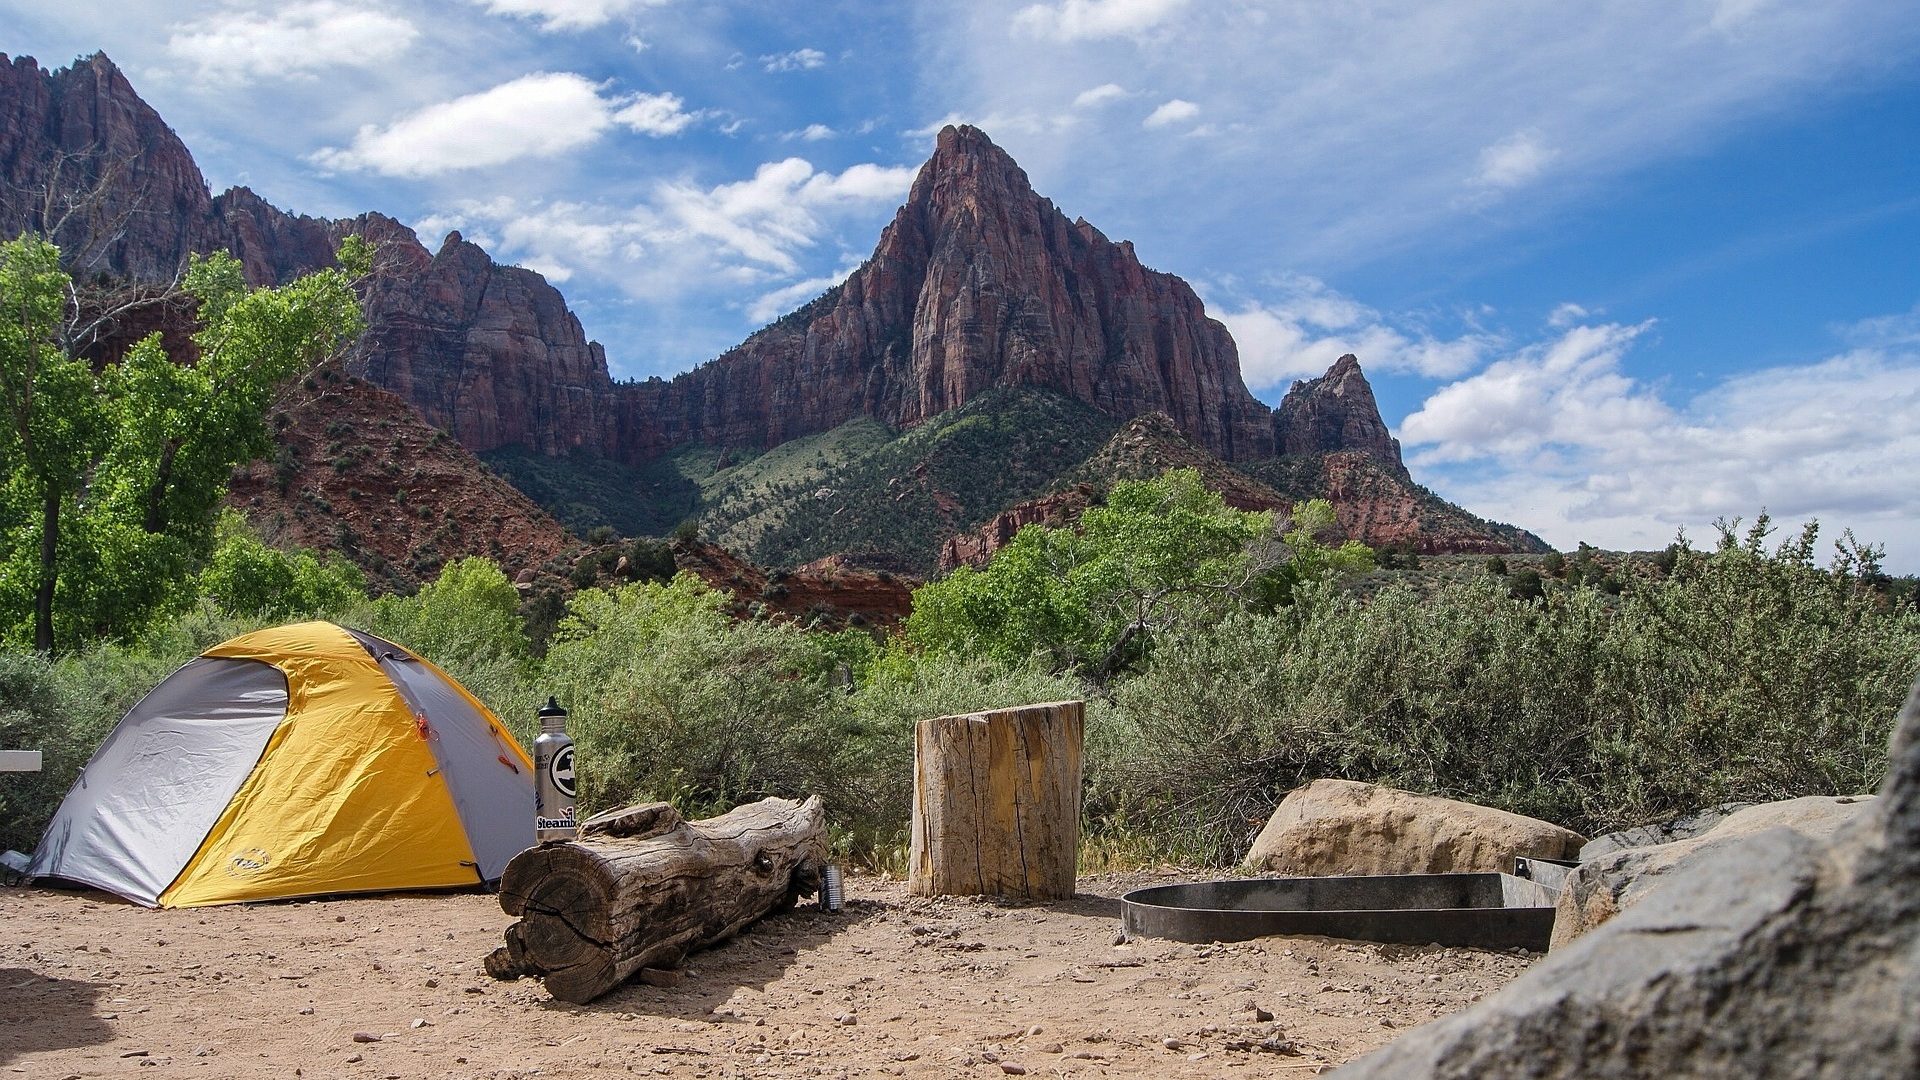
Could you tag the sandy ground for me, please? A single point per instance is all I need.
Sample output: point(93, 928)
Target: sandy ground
point(391, 986)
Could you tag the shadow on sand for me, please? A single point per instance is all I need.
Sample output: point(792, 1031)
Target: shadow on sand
point(40, 1013)
point(756, 957)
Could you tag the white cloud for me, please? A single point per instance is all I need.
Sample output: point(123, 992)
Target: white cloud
point(655, 114)
point(1886, 331)
point(1514, 161)
point(766, 219)
point(1565, 315)
point(797, 60)
point(1073, 20)
point(296, 40)
point(1569, 392)
point(1558, 438)
point(536, 115)
point(569, 14)
point(810, 133)
point(769, 306)
point(1173, 112)
point(1099, 95)
point(735, 239)
point(1301, 334)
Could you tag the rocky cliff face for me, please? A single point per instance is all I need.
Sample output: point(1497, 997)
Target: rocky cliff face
point(1335, 412)
point(489, 353)
point(978, 282)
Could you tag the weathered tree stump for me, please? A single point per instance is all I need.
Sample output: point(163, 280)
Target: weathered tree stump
point(641, 889)
point(996, 803)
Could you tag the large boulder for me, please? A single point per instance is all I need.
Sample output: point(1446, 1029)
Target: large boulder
point(1331, 827)
point(1601, 888)
point(1684, 827)
point(1782, 956)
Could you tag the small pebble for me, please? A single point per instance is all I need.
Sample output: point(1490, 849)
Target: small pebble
point(1011, 1069)
point(352, 1058)
point(419, 1022)
point(365, 1037)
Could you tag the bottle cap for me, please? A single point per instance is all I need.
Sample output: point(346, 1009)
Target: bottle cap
point(552, 716)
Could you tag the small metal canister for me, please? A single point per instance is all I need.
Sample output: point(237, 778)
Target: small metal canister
point(553, 782)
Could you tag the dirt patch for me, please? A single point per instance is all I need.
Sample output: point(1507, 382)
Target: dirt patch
point(391, 986)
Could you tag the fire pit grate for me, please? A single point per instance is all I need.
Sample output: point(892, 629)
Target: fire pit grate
point(1487, 911)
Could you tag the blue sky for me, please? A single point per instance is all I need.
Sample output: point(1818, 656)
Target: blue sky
point(1614, 268)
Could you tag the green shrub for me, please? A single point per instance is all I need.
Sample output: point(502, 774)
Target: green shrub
point(249, 578)
point(1746, 674)
point(673, 700)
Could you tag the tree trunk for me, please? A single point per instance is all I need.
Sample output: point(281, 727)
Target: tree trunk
point(996, 803)
point(641, 888)
point(49, 571)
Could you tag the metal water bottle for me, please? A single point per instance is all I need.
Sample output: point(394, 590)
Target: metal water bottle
point(553, 783)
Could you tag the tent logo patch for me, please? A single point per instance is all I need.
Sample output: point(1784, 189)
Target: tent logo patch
point(247, 862)
point(560, 770)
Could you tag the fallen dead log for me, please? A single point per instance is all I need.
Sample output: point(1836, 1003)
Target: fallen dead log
point(642, 888)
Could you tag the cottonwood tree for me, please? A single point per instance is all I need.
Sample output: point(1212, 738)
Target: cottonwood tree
point(115, 475)
point(1090, 597)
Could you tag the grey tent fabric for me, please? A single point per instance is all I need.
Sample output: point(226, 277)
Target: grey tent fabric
point(472, 752)
point(157, 785)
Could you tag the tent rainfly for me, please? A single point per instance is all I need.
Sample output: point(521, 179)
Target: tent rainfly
point(296, 761)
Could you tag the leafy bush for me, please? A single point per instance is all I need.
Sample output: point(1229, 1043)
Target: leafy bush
point(247, 577)
point(1746, 674)
point(672, 700)
point(1091, 597)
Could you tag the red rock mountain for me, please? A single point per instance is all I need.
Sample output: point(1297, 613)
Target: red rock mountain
point(1335, 412)
point(978, 282)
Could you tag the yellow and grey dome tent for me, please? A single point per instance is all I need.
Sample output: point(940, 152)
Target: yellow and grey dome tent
point(296, 761)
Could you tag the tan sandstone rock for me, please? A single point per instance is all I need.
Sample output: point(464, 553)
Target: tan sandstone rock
point(1334, 827)
point(1601, 888)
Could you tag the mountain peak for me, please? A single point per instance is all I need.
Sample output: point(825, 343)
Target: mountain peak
point(1336, 411)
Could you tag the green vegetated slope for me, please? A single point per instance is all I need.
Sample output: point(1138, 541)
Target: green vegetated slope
point(583, 491)
point(904, 497)
point(886, 497)
point(1305, 476)
point(743, 502)
point(1147, 446)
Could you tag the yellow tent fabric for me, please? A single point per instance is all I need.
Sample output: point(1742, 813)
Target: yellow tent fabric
point(311, 819)
point(351, 792)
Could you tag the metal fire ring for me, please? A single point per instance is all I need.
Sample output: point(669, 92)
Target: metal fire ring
point(1486, 911)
